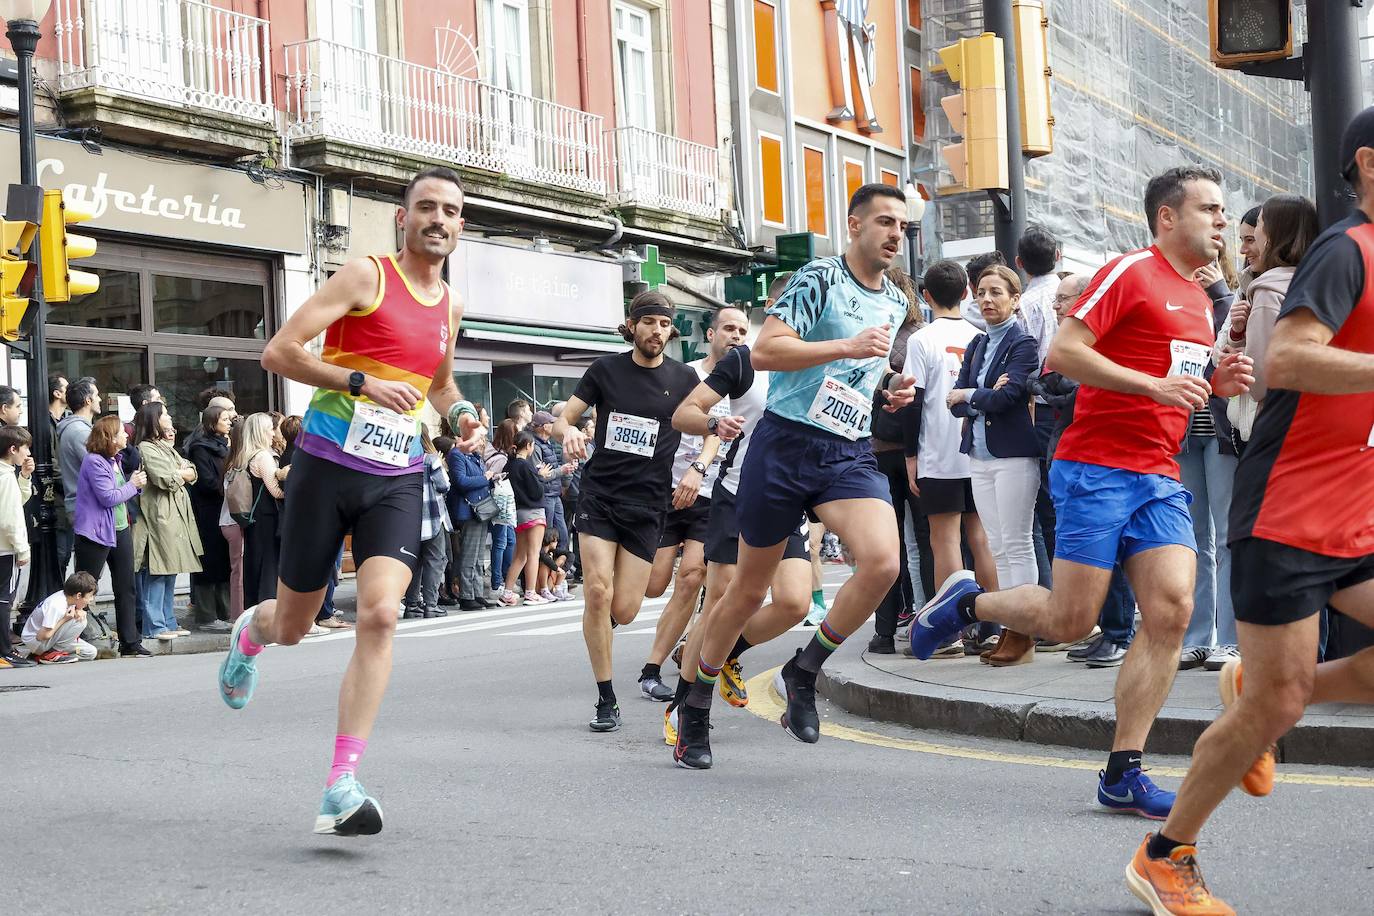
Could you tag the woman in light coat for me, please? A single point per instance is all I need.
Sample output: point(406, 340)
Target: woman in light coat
point(166, 540)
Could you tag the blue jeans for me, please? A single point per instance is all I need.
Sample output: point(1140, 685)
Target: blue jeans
point(502, 550)
point(1210, 476)
point(553, 518)
point(1118, 610)
point(155, 600)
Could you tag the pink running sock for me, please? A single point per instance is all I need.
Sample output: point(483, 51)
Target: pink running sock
point(347, 752)
point(246, 644)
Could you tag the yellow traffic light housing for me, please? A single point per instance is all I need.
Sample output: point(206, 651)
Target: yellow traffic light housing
point(1033, 77)
point(978, 113)
point(60, 282)
point(1243, 32)
point(17, 274)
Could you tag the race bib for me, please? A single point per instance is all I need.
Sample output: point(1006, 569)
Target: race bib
point(1188, 358)
point(631, 435)
point(841, 409)
point(380, 435)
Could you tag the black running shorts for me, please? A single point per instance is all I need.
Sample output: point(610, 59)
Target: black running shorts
point(941, 495)
point(325, 501)
point(722, 537)
point(688, 524)
point(1273, 584)
point(634, 526)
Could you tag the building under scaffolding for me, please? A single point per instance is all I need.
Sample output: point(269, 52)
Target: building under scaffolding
point(1133, 93)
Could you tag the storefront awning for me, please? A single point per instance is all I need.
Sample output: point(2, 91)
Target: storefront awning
point(543, 337)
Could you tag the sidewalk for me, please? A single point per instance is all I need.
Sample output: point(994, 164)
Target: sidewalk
point(1055, 701)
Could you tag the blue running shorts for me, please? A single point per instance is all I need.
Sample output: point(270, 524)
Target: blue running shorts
point(1105, 515)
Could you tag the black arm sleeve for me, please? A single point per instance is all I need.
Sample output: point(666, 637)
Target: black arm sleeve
point(911, 424)
point(733, 375)
point(1330, 279)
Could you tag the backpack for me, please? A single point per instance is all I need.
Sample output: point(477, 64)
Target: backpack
point(238, 495)
point(99, 634)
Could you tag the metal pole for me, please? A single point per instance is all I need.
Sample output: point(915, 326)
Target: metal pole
point(1010, 219)
point(913, 267)
point(1333, 70)
point(45, 577)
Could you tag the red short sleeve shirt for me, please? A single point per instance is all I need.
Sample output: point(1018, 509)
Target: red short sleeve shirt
point(1147, 317)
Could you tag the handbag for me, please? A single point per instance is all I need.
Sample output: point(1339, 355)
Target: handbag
point(485, 508)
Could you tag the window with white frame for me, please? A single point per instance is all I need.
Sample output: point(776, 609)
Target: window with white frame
point(506, 44)
point(634, 52)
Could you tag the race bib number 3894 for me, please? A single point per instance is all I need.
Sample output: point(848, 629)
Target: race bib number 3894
point(380, 435)
point(631, 435)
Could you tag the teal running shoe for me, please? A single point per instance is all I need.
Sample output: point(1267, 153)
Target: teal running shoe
point(238, 673)
point(347, 810)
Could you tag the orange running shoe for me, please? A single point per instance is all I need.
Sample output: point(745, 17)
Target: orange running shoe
point(1259, 779)
point(1172, 886)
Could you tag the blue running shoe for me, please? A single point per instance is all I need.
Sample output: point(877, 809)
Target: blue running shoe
point(939, 621)
point(1135, 794)
point(238, 673)
point(347, 810)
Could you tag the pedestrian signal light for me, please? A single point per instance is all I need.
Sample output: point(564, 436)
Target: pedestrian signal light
point(978, 113)
point(59, 248)
point(1249, 31)
point(1033, 77)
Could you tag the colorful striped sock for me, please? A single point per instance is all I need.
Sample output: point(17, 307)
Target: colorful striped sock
point(704, 687)
point(822, 645)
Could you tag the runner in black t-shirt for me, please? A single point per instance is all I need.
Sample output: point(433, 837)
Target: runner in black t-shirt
point(1302, 537)
point(627, 483)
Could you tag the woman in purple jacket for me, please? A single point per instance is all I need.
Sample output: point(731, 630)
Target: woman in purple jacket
point(101, 525)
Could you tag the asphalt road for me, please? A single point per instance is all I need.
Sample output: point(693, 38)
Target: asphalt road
point(133, 789)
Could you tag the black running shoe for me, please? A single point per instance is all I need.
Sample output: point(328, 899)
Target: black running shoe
point(653, 688)
point(800, 718)
point(693, 748)
point(607, 716)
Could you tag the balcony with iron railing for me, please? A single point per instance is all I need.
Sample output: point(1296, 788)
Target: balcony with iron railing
point(663, 172)
point(338, 94)
point(160, 66)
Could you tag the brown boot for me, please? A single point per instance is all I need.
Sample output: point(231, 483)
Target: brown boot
point(1013, 649)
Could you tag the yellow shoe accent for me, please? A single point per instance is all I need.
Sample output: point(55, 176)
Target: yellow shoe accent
point(731, 684)
point(670, 727)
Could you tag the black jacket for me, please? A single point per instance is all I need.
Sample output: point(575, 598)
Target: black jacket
point(528, 488)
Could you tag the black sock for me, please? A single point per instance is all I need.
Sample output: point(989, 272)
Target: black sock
point(741, 646)
point(699, 694)
point(607, 693)
point(1118, 762)
point(650, 670)
point(965, 605)
point(684, 686)
point(1160, 846)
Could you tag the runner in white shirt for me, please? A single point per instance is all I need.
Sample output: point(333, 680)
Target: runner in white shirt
point(938, 472)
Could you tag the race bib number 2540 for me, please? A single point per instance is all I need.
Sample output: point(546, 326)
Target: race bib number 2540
point(380, 435)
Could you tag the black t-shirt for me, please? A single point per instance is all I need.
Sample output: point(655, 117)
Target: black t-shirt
point(635, 439)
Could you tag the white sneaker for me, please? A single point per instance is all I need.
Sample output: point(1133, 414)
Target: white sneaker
point(1193, 657)
point(1220, 656)
point(315, 630)
point(533, 598)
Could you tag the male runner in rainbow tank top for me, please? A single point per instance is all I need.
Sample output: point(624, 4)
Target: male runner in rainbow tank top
point(390, 324)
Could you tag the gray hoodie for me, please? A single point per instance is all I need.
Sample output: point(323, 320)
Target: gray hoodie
point(71, 452)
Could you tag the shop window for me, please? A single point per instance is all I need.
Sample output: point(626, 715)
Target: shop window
point(853, 178)
point(770, 170)
point(813, 173)
point(765, 45)
point(918, 113)
point(476, 387)
point(214, 308)
point(114, 371)
point(549, 390)
point(115, 306)
point(182, 377)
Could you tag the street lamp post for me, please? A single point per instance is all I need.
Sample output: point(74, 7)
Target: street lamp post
point(915, 210)
point(21, 28)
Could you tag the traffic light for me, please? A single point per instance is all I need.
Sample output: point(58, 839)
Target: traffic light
point(978, 112)
point(1249, 31)
point(1033, 77)
point(60, 282)
point(17, 272)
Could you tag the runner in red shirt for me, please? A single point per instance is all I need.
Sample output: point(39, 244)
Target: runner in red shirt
point(1302, 537)
point(1139, 343)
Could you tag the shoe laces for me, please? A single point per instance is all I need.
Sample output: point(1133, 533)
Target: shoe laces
point(736, 671)
point(1189, 875)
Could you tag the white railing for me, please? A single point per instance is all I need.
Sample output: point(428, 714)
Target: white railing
point(339, 92)
point(665, 172)
point(180, 51)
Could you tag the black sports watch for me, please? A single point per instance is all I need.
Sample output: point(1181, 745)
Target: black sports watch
point(355, 383)
point(698, 467)
point(711, 424)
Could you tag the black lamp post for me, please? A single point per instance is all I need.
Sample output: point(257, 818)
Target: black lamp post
point(915, 210)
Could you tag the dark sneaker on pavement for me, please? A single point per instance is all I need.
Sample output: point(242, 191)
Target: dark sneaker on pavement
point(1088, 648)
point(939, 620)
point(882, 645)
point(800, 718)
point(17, 661)
point(1107, 655)
point(135, 652)
point(693, 748)
point(1193, 657)
point(1135, 794)
point(653, 688)
point(608, 716)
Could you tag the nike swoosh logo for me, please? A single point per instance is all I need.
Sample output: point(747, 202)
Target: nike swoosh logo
point(1172, 308)
point(408, 553)
point(1123, 799)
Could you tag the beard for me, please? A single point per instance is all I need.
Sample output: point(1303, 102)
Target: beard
point(649, 347)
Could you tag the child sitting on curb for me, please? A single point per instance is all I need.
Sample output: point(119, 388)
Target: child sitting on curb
point(52, 635)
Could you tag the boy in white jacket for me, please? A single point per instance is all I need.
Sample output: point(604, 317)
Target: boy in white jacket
point(14, 533)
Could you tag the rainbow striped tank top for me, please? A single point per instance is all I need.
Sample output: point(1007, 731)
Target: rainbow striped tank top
point(400, 337)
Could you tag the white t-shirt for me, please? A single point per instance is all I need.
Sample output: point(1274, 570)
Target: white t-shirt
point(46, 615)
point(689, 449)
point(933, 357)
